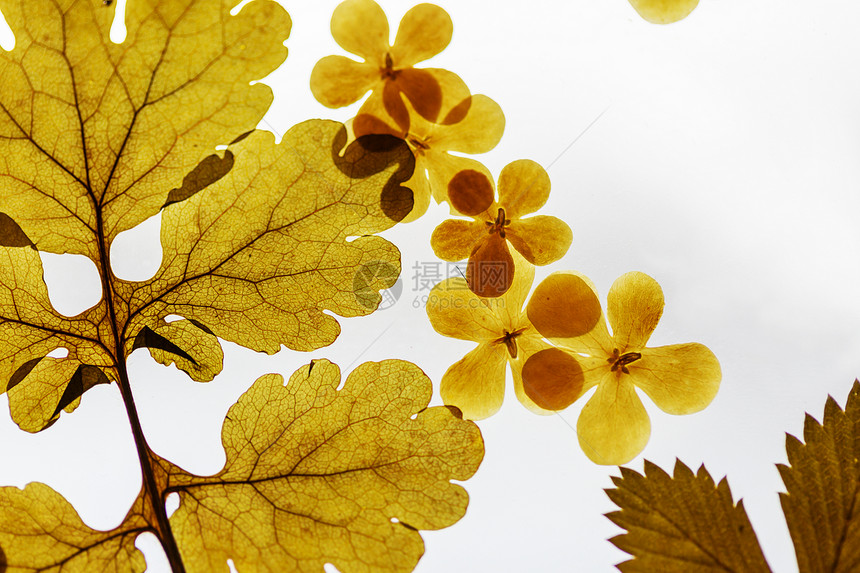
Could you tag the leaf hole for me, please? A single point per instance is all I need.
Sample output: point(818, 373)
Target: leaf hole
point(413, 416)
point(60, 352)
point(232, 566)
point(171, 503)
point(394, 520)
point(153, 553)
point(7, 38)
point(136, 253)
point(171, 318)
point(239, 7)
point(117, 30)
point(330, 568)
point(73, 282)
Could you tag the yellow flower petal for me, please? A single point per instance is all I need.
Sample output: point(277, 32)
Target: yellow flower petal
point(613, 426)
point(523, 188)
point(420, 191)
point(528, 344)
point(442, 167)
point(437, 95)
point(337, 81)
point(457, 312)
point(360, 27)
point(680, 379)
point(455, 239)
point(553, 379)
point(511, 308)
point(490, 271)
point(424, 31)
point(634, 306)
point(478, 132)
point(470, 192)
point(476, 384)
point(664, 11)
point(565, 309)
point(541, 239)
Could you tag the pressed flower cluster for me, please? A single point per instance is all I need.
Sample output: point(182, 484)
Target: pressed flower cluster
point(556, 343)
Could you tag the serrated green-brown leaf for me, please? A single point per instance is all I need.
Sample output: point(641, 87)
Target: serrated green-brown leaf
point(822, 503)
point(40, 532)
point(682, 523)
point(317, 474)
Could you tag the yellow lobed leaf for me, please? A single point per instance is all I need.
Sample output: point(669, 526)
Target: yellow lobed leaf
point(259, 255)
point(317, 474)
point(30, 328)
point(93, 135)
point(822, 484)
point(682, 523)
point(41, 532)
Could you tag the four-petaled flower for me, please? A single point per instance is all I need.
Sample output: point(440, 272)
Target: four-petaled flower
point(478, 132)
point(476, 384)
point(360, 27)
point(613, 426)
point(523, 189)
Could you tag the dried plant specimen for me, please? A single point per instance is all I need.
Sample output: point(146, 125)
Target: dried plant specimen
point(314, 475)
point(540, 239)
point(361, 28)
point(478, 132)
point(476, 383)
point(664, 11)
point(260, 242)
point(614, 427)
point(685, 523)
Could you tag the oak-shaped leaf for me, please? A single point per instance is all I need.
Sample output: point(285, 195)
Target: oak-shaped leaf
point(315, 474)
point(685, 523)
point(40, 531)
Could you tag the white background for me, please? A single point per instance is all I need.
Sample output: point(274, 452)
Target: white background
point(724, 164)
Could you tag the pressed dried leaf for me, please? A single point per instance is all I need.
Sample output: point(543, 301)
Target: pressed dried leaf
point(822, 481)
point(317, 474)
point(41, 532)
point(682, 524)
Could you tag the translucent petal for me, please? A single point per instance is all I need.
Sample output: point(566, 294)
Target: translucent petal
point(523, 187)
point(478, 132)
point(613, 426)
point(490, 271)
point(634, 306)
point(420, 191)
point(664, 11)
point(455, 239)
point(553, 379)
point(373, 118)
point(337, 81)
point(470, 192)
point(541, 239)
point(457, 312)
point(528, 344)
point(476, 384)
point(424, 31)
point(437, 95)
point(360, 27)
point(680, 379)
point(442, 168)
point(511, 304)
point(565, 307)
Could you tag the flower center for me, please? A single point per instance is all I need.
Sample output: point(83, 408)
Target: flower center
point(417, 143)
point(388, 72)
point(621, 361)
point(510, 341)
point(499, 224)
